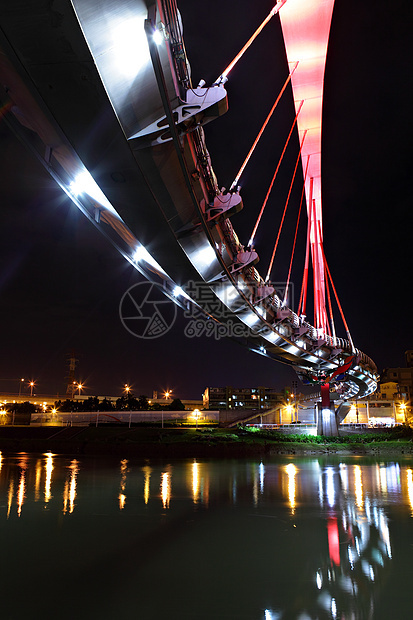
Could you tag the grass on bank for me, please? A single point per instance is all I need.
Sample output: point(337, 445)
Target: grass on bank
point(398, 433)
point(117, 435)
point(248, 434)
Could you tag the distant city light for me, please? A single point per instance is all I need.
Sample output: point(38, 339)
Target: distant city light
point(78, 386)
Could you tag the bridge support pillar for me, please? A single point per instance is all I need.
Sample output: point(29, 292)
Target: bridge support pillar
point(326, 415)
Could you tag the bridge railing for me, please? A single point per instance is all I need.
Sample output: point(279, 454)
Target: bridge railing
point(96, 418)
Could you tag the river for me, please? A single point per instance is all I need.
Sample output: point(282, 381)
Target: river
point(283, 538)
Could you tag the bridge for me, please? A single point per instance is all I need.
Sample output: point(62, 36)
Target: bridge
point(101, 93)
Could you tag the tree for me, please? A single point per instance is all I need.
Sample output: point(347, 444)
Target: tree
point(90, 404)
point(128, 402)
point(25, 407)
point(176, 405)
point(105, 405)
point(143, 404)
point(66, 406)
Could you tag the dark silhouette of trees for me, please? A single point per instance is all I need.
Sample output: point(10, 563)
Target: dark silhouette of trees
point(176, 405)
point(127, 402)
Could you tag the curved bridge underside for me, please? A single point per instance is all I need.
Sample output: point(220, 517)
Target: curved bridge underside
point(101, 94)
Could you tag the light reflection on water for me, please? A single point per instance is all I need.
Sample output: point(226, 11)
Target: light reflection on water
point(69, 492)
point(48, 481)
point(276, 539)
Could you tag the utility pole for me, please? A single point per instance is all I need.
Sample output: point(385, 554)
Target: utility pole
point(71, 383)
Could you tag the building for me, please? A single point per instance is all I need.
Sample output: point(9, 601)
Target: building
point(383, 412)
point(189, 404)
point(241, 398)
point(388, 390)
point(403, 377)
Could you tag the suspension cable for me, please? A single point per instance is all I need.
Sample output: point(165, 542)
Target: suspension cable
point(336, 297)
point(224, 75)
point(285, 209)
point(295, 236)
point(251, 241)
point(304, 285)
point(330, 309)
point(241, 170)
point(303, 295)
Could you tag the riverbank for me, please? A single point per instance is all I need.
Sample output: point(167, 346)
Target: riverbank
point(148, 442)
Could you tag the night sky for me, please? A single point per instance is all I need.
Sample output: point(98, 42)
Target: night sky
point(61, 282)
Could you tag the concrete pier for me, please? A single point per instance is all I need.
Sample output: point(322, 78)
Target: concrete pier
point(327, 421)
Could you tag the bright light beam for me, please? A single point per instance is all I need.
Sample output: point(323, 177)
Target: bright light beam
point(130, 47)
point(84, 183)
point(274, 11)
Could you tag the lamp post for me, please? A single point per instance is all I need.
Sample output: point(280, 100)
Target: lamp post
point(20, 387)
point(290, 411)
point(31, 384)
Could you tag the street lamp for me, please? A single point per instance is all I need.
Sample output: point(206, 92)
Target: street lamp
point(127, 389)
point(289, 409)
point(167, 394)
point(79, 387)
point(20, 386)
point(31, 384)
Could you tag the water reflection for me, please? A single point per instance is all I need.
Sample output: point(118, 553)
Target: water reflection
point(69, 492)
point(358, 486)
point(341, 546)
point(409, 478)
point(38, 477)
point(358, 539)
point(123, 471)
point(147, 483)
point(48, 481)
point(166, 488)
point(195, 481)
point(22, 484)
point(291, 473)
point(10, 496)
